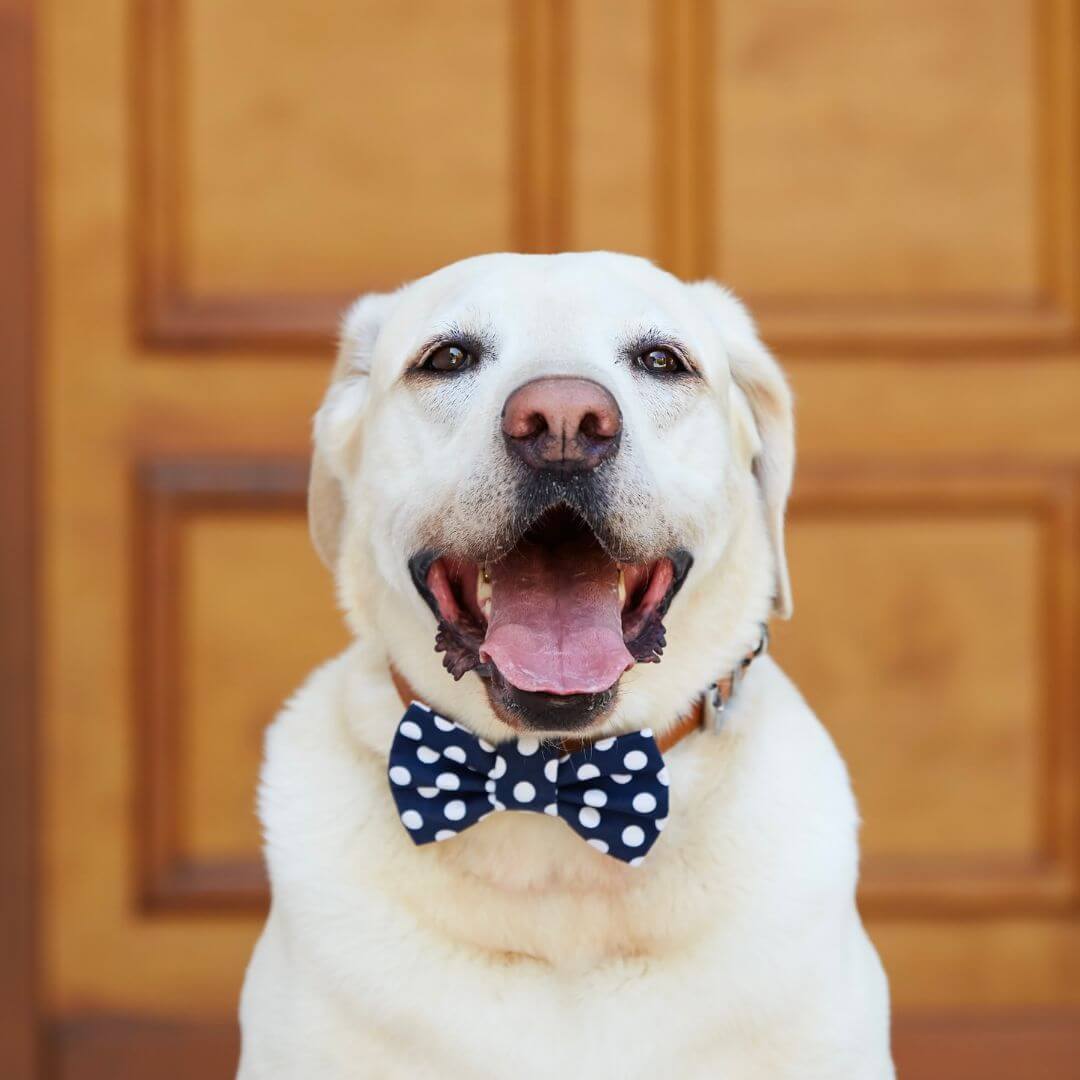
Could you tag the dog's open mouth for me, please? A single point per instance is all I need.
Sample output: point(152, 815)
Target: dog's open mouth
point(554, 616)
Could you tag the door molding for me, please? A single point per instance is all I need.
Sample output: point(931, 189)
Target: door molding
point(19, 1012)
point(999, 1044)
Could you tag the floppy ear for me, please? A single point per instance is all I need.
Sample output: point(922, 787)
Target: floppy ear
point(758, 379)
point(337, 423)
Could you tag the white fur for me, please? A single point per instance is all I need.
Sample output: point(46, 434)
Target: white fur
point(736, 950)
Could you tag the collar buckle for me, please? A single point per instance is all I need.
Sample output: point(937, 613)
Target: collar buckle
point(713, 706)
point(717, 696)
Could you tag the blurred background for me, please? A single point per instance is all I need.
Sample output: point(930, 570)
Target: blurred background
point(192, 189)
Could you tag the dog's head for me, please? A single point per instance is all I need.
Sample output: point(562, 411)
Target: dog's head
point(525, 458)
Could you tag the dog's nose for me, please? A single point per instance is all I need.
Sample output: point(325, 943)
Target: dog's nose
point(562, 423)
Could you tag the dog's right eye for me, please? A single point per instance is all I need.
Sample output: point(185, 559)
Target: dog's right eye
point(448, 358)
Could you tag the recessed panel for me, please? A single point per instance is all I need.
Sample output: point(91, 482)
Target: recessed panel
point(258, 617)
point(880, 150)
point(917, 641)
point(325, 147)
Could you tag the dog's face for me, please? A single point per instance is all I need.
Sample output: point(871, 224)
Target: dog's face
point(534, 454)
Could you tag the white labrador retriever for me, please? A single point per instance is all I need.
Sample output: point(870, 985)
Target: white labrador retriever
point(523, 461)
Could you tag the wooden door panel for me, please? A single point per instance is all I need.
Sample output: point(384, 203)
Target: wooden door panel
point(962, 605)
point(891, 184)
point(857, 139)
point(890, 174)
point(234, 610)
point(247, 653)
point(296, 177)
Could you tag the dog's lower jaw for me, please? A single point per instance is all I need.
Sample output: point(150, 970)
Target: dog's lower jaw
point(547, 714)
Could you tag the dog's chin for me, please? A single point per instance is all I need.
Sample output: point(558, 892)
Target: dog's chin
point(548, 714)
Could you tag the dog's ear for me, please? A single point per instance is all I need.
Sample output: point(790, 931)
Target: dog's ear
point(759, 384)
point(337, 424)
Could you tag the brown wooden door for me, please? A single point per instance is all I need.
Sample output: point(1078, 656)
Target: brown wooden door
point(890, 183)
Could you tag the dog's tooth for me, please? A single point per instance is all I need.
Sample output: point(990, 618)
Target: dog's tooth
point(622, 590)
point(483, 592)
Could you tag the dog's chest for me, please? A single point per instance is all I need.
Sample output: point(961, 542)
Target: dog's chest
point(524, 889)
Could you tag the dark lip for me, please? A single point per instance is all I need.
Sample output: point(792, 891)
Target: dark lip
point(459, 642)
point(563, 713)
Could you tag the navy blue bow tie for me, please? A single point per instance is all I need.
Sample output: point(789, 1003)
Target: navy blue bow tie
point(613, 793)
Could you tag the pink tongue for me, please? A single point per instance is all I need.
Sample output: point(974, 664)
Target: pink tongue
point(555, 625)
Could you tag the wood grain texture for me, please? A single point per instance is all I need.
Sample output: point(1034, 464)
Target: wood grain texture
point(948, 680)
point(18, 553)
point(207, 560)
point(854, 147)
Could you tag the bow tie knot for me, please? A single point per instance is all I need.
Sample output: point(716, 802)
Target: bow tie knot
point(613, 793)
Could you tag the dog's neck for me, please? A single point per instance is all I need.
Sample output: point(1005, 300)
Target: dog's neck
point(706, 712)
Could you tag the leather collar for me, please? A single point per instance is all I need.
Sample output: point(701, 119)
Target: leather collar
point(707, 711)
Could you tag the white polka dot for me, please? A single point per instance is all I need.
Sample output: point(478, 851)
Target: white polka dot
point(662, 776)
point(445, 834)
point(489, 786)
point(420, 705)
point(604, 744)
point(443, 724)
point(411, 819)
point(495, 804)
point(633, 836)
point(427, 755)
point(660, 823)
point(498, 768)
point(524, 791)
point(589, 817)
point(485, 745)
point(399, 774)
point(621, 778)
point(454, 753)
point(600, 845)
point(638, 861)
point(410, 729)
point(595, 797)
point(587, 772)
point(644, 803)
point(552, 809)
point(454, 810)
point(448, 781)
point(528, 746)
point(428, 792)
point(551, 770)
point(635, 760)
point(646, 733)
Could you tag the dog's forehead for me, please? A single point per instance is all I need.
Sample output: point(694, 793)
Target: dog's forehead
point(538, 300)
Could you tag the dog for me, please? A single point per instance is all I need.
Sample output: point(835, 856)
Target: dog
point(551, 490)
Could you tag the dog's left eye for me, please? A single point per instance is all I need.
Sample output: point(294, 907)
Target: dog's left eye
point(660, 361)
point(448, 358)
